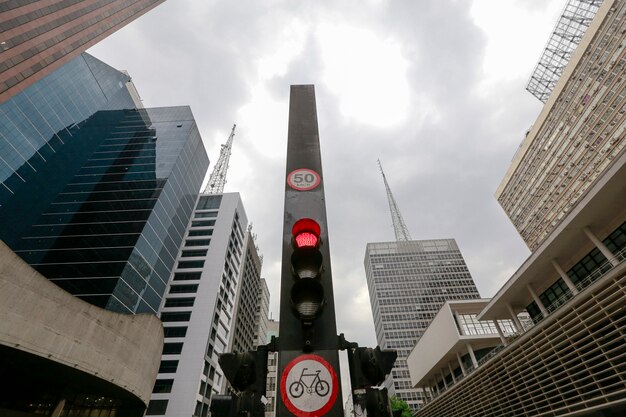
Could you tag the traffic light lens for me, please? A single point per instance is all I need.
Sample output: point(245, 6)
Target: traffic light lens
point(306, 239)
point(307, 298)
point(306, 233)
point(306, 262)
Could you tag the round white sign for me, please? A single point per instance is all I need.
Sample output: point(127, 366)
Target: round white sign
point(303, 179)
point(309, 386)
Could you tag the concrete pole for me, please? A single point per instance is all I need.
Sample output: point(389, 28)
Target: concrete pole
point(516, 321)
point(565, 277)
point(458, 322)
point(500, 333)
point(605, 251)
point(452, 373)
point(458, 357)
point(443, 377)
point(537, 301)
point(471, 353)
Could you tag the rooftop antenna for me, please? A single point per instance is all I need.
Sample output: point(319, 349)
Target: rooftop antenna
point(399, 228)
point(217, 180)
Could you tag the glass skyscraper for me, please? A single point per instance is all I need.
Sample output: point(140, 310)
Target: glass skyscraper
point(408, 282)
point(95, 193)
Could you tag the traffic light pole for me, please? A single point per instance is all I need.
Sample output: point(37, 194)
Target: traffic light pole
point(308, 360)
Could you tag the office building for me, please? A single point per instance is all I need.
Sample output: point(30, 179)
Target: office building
point(244, 328)
point(39, 37)
point(408, 282)
point(565, 192)
point(578, 135)
point(96, 194)
point(262, 314)
point(455, 343)
point(272, 371)
point(198, 312)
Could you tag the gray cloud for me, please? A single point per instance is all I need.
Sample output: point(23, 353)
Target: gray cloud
point(443, 167)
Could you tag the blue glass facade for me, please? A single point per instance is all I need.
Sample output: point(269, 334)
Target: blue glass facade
point(95, 199)
point(30, 122)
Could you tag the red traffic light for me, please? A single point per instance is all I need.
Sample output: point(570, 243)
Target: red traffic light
point(306, 233)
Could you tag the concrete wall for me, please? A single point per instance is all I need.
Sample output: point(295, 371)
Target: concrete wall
point(42, 319)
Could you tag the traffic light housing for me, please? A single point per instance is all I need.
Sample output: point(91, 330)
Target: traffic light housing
point(369, 367)
point(307, 293)
point(247, 374)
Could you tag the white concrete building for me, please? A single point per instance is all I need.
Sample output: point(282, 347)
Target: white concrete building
point(566, 194)
point(244, 328)
point(272, 371)
point(262, 314)
point(455, 343)
point(199, 306)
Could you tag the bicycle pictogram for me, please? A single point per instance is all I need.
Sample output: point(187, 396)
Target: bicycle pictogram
point(317, 385)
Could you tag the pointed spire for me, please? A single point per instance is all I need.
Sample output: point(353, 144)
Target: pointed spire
point(217, 180)
point(399, 228)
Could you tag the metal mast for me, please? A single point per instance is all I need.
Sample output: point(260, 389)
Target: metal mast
point(217, 180)
point(399, 228)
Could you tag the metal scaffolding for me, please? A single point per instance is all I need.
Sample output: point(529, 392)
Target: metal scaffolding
point(574, 21)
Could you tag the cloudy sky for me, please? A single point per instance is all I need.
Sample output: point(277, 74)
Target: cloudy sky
point(435, 89)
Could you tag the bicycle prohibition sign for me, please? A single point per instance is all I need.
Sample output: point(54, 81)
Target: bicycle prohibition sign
point(309, 386)
point(320, 387)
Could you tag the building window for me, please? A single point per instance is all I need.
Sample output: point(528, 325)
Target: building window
point(198, 242)
point(181, 289)
point(156, 407)
point(190, 264)
point(209, 202)
point(175, 331)
point(616, 241)
point(206, 214)
point(168, 367)
point(175, 316)
point(202, 232)
point(202, 223)
point(163, 386)
point(192, 253)
point(180, 302)
point(172, 348)
point(187, 276)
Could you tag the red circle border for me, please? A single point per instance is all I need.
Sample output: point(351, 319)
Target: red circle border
point(317, 182)
point(283, 390)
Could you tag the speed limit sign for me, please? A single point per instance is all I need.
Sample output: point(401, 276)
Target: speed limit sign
point(303, 179)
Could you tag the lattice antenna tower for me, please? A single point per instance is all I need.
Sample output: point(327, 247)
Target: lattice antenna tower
point(399, 228)
point(217, 180)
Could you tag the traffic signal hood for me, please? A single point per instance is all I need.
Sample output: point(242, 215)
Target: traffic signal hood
point(247, 373)
point(239, 369)
point(369, 367)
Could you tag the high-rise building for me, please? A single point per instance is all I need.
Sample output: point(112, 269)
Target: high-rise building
point(408, 282)
point(565, 193)
point(38, 37)
point(578, 135)
point(198, 312)
point(272, 371)
point(262, 314)
point(244, 328)
point(95, 193)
